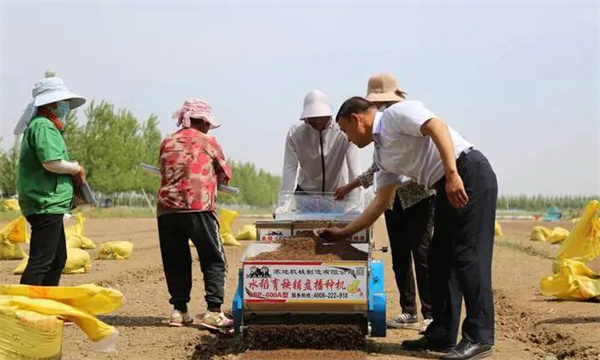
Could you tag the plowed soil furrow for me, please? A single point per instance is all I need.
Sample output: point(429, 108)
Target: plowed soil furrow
point(528, 325)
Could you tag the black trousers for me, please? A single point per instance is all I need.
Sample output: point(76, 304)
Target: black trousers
point(410, 232)
point(202, 228)
point(460, 257)
point(47, 250)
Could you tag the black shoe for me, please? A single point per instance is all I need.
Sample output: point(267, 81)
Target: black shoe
point(466, 350)
point(424, 343)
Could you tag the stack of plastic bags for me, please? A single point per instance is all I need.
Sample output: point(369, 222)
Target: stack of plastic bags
point(11, 235)
point(32, 318)
point(572, 279)
point(553, 236)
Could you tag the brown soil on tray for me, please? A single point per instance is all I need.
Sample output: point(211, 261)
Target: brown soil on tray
point(310, 336)
point(318, 224)
point(305, 248)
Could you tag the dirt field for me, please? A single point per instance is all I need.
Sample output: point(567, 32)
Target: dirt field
point(528, 325)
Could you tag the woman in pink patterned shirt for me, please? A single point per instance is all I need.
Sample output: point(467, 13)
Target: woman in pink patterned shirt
point(192, 164)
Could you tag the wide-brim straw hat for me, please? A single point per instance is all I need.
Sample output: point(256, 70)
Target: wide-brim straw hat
point(383, 87)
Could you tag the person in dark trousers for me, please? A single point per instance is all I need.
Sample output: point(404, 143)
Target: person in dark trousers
point(192, 164)
point(412, 141)
point(46, 179)
point(409, 221)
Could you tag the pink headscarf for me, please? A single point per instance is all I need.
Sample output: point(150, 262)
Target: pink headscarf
point(195, 109)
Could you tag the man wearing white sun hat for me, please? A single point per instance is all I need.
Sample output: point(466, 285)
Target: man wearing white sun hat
point(46, 178)
point(319, 149)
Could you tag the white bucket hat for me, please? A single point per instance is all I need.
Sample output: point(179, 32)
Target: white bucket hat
point(47, 91)
point(316, 104)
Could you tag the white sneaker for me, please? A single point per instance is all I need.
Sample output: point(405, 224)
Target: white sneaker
point(426, 323)
point(404, 321)
point(216, 321)
point(179, 318)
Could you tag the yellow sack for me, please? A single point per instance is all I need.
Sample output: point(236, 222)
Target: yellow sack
point(558, 235)
point(498, 229)
point(15, 231)
point(76, 229)
point(95, 329)
point(26, 335)
point(540, 233)
point(583, 243)
point(80, 242)
point(10, 251)
point(115, 250)
point(21, 267)
point(573, 281)
point(10, 205)
point(225, 220)
point(78, 262)
point(75, 237)
point(246, 232)
point(88, 297)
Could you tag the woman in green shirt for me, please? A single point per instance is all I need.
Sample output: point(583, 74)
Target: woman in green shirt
point(46, 179)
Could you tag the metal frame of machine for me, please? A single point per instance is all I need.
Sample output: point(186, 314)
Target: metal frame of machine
point(369, 313)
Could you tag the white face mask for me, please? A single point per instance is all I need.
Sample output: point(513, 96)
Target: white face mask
point(382, 108)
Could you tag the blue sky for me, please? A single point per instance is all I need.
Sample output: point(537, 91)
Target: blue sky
point(518, 79)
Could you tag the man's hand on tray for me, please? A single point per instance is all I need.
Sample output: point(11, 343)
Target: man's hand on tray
point(332, 234)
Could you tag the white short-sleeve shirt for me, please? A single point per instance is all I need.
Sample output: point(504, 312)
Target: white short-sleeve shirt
point(401, 149)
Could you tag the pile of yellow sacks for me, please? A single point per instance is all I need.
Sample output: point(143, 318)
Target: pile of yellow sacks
point(572, 279)
point(553, 236)
point(32, 318)
point(78, 260)
point(246, 232)
point(11, 236)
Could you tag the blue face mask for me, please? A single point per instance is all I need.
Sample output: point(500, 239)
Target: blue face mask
point(62, 109)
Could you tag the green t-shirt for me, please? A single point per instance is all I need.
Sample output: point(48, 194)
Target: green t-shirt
point(41, 191)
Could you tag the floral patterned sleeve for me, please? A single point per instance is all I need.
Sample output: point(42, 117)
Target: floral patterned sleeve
point(366, 179)
point(222, 169)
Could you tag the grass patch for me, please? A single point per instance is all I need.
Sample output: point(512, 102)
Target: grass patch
point(525, 249)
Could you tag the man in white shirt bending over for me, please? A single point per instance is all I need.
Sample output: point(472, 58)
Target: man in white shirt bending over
point(318, 157)
point(410, 140)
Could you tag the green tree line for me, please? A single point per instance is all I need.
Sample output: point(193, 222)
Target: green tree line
point(541, 203)
point(111, 143)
